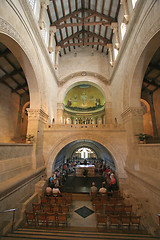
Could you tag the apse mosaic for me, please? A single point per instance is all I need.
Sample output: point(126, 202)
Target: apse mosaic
point(84, 97)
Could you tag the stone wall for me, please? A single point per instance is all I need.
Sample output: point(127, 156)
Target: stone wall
point(9, 106)
point(14, 160)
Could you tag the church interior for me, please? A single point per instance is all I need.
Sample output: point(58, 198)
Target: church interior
point(79, 110)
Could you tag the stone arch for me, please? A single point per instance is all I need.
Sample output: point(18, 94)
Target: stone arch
point(85, 79)
point(114, 151)
point(11, 38)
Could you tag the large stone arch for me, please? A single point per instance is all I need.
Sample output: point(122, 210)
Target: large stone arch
point(12, 39)
point(103, 87)
point(143, 45)
point(116, 153)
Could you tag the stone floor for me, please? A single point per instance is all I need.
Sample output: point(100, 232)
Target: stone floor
point(82, 215)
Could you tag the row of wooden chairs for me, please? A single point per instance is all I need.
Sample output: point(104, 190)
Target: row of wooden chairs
point(113, 209)
point(118, 221)
point(105, 199)
point(59, 200)
point(53, 208)
point(46, 219)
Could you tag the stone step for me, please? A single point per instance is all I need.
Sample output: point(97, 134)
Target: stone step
point(44, 234)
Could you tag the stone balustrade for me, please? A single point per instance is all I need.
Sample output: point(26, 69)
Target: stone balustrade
point(85, 126)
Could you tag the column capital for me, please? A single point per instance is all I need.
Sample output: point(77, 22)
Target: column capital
point(58, 48)
point(110, 45)
point(114, 25)
point(52, 29)
point(60, 106)
point(37, 114)
point(45, 3)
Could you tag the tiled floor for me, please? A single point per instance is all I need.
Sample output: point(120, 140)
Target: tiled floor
point(81, 220)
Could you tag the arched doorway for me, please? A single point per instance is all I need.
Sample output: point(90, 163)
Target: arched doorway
point(97, 160)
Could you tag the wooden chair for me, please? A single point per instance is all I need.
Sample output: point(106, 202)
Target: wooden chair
point(55, 208)
point(46, 208)
point(30, 218)
point(98, 208)
point(44, 200)
point(114, 221)
point(36, 207)
point(109, 209)
point(135, 221)
point(101, 220)
point(52, 200)
point(51, 219)
point(128, 210)
point(62, 219)
point(125, 221)
point(118, 209)
point(59, 200)
point(65, 209)
point(41, 218)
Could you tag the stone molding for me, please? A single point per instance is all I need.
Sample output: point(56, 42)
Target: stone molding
point(77, 74)
point(34, 26)
point(37, 114)
point(6, 28)
point(131, 112)
point(60, 106)
point(108, 105)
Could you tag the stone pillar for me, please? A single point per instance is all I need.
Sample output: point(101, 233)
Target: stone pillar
point(60, 110)
point(133, 120)
point(110, 47)
point(52, 31)
point(125, 9)
point(108, 113)
point(154, 124)
point(114, 26)
point(57, 50)
point(37, 118)
point(41, 21)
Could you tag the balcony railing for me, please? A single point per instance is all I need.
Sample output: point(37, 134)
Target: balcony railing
point(84, 126)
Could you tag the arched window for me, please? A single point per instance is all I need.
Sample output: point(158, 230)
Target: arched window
point(32, 3)
point(123, 29)
point(115, 53)
point(134, 3)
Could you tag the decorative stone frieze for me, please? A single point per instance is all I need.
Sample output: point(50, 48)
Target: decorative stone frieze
point(125, 9)
point(114, 26)
point(110, 47)
point(77, 74)
point(37, 114)
point(52, 31)
point(44, 5)
point(132, 112)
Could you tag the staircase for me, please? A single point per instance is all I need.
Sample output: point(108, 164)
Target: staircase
point(44, 234)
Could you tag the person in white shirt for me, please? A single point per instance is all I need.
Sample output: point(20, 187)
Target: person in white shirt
point(103, 190)
point(56, 191)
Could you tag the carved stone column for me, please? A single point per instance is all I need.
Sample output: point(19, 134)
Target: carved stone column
point(52, 31)
point(110, 47)
point(37, 118)
point(57, 50)
point(114, 26)
point(41, 21)
point(133, 120)
point(108, 113)
point(125, 9)
point(60, 110)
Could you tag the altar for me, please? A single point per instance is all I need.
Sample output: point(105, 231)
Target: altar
point(80, 169)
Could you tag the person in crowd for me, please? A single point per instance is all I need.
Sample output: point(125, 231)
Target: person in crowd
point(112, 183)
point(93, 190)
point(51, 181)
point(48, 191)
point(56, 191)
point(103, 190)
